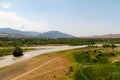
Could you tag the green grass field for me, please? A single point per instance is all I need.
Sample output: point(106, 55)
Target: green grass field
point(93, 63)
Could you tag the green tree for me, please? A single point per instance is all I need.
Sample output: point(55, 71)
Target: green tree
point(17, 52)
point(113, 46)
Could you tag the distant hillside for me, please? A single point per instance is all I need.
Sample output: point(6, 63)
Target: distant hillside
point(106, 36)
point(13, 31)
point(55, 34)
point(8, 32)
point(5, 35)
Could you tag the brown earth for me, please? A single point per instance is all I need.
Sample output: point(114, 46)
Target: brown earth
point(46, 67)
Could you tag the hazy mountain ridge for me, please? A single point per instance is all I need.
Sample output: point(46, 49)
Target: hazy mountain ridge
point(13, 31)
point(55, 34)
point(105, 36)
point(6, 35)
point(8, 32)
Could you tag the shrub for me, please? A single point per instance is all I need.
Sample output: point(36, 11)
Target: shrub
point(17, 52)
point(71, 69)
point(82, 57)
point(114, 76)
point(106, 45)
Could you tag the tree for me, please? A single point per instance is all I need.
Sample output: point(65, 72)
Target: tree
point(106, 45)
point(113, 46)
point(91, 43)
point(17, 52)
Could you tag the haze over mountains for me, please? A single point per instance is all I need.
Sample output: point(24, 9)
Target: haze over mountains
point(8, 32)
point(11, 33)
point(105, 36)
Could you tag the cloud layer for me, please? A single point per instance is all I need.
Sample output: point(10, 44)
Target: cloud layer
point(5, 5)
point(12, 20)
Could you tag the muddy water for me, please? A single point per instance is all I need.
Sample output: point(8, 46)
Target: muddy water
point(7, 60)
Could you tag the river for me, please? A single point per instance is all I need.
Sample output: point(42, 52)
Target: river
point(7, 60)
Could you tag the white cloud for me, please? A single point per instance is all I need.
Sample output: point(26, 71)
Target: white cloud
point(12, 20)
point(5, 5)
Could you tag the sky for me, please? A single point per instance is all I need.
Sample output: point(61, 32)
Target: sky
point(76, 17)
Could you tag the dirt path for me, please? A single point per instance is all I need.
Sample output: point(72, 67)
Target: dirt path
point(35, 69)
point(49, 67)
point(47, 72)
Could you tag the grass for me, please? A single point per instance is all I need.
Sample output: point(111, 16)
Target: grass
point(96, 65)
point(8, 51)
point(93, 63)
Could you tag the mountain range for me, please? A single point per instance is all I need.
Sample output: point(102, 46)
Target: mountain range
point(105, 36)
point(8, 32)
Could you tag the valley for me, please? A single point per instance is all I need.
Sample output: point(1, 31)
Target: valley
point(87, 63)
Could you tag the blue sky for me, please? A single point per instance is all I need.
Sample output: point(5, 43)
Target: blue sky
point(77, 17)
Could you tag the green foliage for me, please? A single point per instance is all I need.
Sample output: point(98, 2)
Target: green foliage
point(97, 72)
point(91, 57)
point(46, 41)
point(17, 52)
point(82, 57)
point(80, 76)
point(117, 64)
point(106, 45)
point(4, 52)
point(96, 66)
point(114, 76)
point(9, 51)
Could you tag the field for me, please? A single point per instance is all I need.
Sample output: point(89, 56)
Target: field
point(94, 63)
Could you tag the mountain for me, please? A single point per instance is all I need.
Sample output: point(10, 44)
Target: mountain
point(8, 32)
point(5, 35)
point(55, 34)
point(106, 36)
point(13, 31)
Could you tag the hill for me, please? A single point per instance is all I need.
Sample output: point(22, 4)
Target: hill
point(8, 32)
point(105, 36)
point(55, 34)
point(13, 31)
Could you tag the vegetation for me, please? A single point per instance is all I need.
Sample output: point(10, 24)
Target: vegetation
point(45, 41)
point(93, 63)
point(96, 65)
point(5, 51)
point(9, 51)
point(17, 52)
point(113, 46)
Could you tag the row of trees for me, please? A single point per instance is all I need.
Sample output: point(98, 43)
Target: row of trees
point(39, 41)
point(113, 46)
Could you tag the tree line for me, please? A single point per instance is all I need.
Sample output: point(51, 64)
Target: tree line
point(45, 41)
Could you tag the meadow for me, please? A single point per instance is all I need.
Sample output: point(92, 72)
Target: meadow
point(94, 63)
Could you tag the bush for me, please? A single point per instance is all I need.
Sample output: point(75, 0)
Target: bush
point(82, 57)
point(114, 76)
point(17, 52)
point(106, 45)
